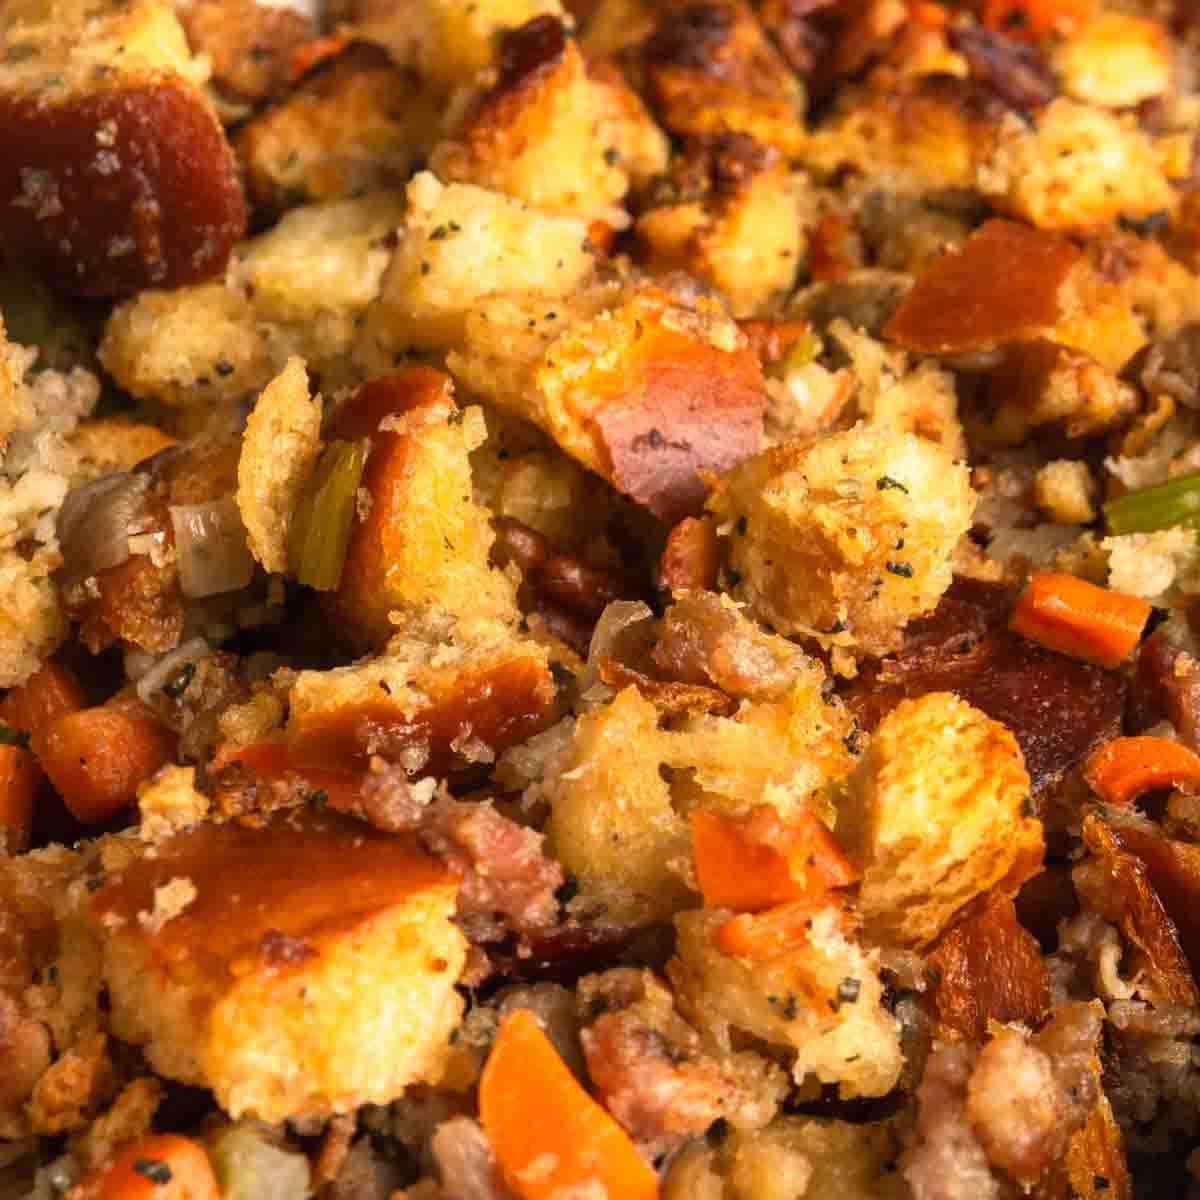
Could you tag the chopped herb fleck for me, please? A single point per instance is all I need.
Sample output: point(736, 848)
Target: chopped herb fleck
point(455, 418)
point(153, 1169)
point(95, 883)
point(853, 740)
point(884, 482)
point(425, 268)
point(223, 367)
point(848, 990)
point(611, 155)
point(741, 525)
point(179, 682)
point(903, 569)
point(732, 577)
point(13, 737)
point(439, 233)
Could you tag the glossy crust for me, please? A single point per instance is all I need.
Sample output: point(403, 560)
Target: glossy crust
point(117, 189)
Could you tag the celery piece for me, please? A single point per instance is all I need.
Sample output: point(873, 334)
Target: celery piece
point(320, 531)
point(1163, 506)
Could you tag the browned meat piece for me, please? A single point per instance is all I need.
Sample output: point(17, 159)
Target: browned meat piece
point(508, 883)
point(649, 1066)
point(1116, 884)
point(1167, 680)
point(701, 641)
point(986, 968)
point(964, 647)
point(159, 205)
point(1173, 366)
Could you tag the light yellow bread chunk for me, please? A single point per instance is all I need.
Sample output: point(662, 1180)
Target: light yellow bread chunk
point(302, 968)
point(936, 814)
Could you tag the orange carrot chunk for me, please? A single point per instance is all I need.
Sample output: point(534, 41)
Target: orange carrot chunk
point(95, 758)
point(1077, 618)
point(18, 787)
point(162, 1166)
point(1037, 18)
point(50, 692)
point(759, 860)
point(549, 1136)
point(774, 931)
point(1125, 768)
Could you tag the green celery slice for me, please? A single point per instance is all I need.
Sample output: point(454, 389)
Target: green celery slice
point(320, 532)
point(1163, 506)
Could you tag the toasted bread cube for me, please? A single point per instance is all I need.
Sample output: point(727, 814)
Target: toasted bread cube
point(542, 108)
point(279, 450)
point(936, 814)
point(354, 125)
point(299, 969)
point(924, 134)
point(447, 42)
point(460, 243)
point(421, 543)
point(637, 388)
point(1116, 60)
point(799, 999)
point(846, 539)
point(612, 824)
point(114, 170)
point(640, 145)
point(1010, 283)
point(441, 699)
point(1040, 383)
point(742, 235)
point(710, 67)
point(1076, 171)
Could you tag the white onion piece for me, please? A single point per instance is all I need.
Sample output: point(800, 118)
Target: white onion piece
point(210, 545)
point(94, 522)
point(167, 666)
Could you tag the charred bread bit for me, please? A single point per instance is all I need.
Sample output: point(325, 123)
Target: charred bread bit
point(356, 124)
point(846, 539)
point(456, 696)
point(542, 107)
point(421, 543)
point(986, 967)
point(115, 173)
point(612, 823)
point(312, 969)
point(709, 66)
point(1010, 283)
point(1078, 169)
point(459, 244)
point(821, 999)
point(447, 42)
point(279, 450)
point(641, 390)
point(248, 44)
point(935, 814)
point(1116, 60)
point(730, 213)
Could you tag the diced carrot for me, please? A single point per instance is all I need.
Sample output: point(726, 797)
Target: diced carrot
point(1121, 770)
point(1037, 18)
point(95, 758)
point(759, 860)
point(929, 14)
point(49, 693)
point(549, 1136)
point(162, 1166)
point(1078, 618)
point(18, 787)
point(268, 759)
point(311, 54)
point(774, 931)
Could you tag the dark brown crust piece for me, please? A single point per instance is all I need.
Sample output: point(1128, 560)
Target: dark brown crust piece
point(118, 189)
point(986, 967)
point(963, 647)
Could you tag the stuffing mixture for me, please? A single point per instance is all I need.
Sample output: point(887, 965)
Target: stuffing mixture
point(600, 599)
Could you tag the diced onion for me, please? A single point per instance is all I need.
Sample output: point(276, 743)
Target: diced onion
point(94, 524)
point(166, 667)
point(616, 631)
point(210, 544)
